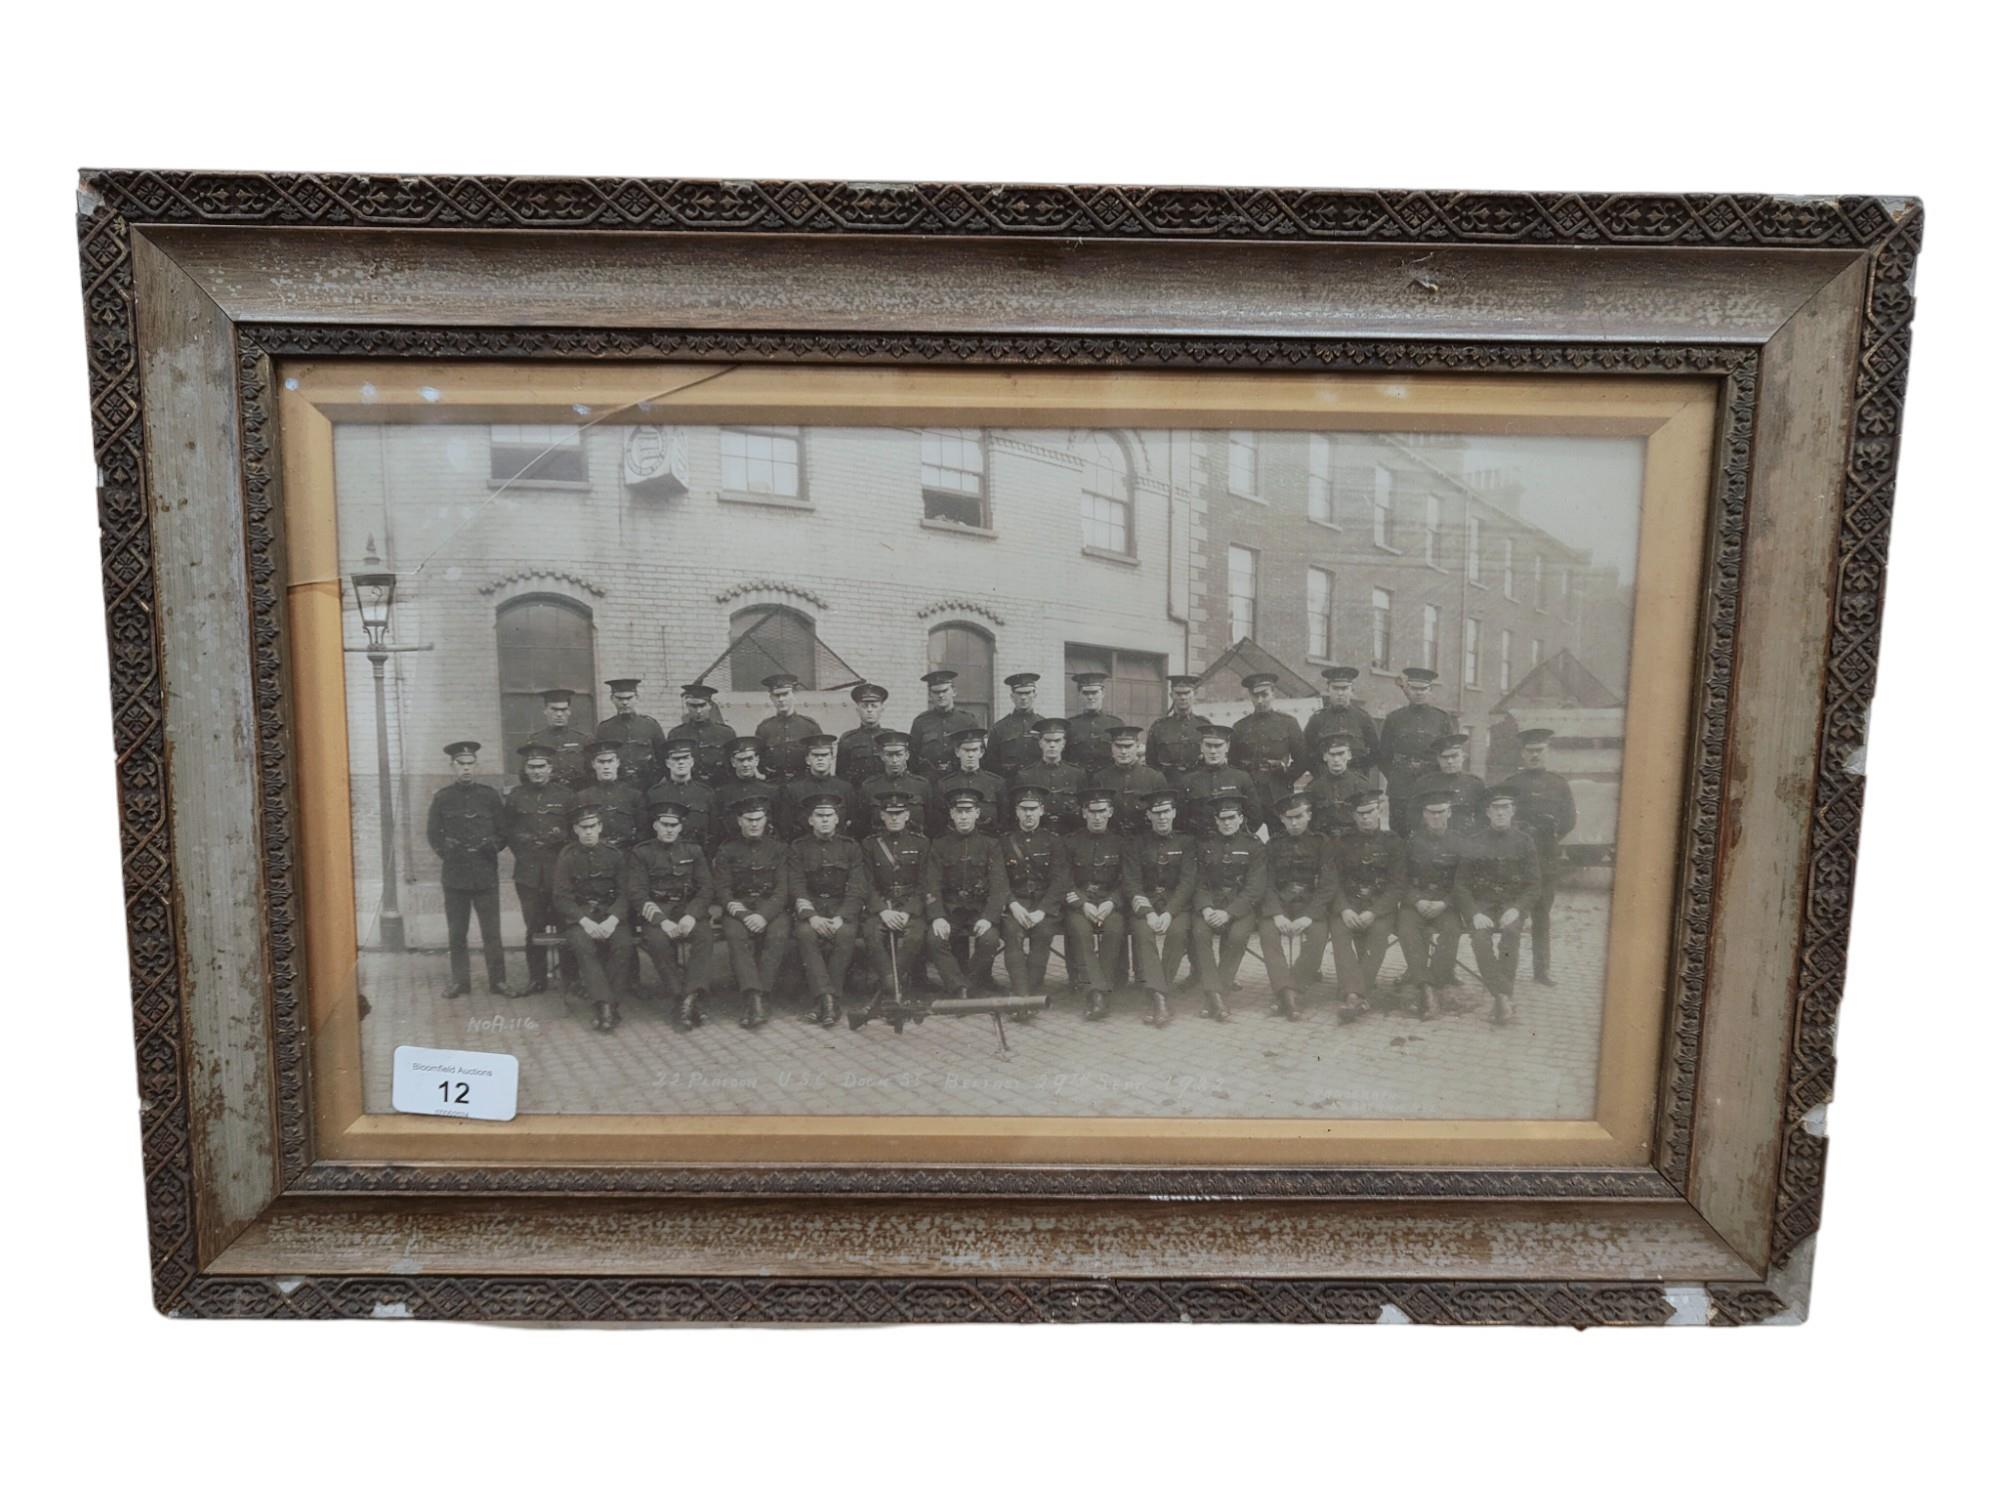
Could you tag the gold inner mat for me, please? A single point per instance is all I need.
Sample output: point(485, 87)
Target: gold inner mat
point(1675, 417)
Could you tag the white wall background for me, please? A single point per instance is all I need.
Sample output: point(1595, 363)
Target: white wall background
point(1831, 97)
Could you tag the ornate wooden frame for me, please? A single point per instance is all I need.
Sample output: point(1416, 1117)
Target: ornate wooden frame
point(194, 282)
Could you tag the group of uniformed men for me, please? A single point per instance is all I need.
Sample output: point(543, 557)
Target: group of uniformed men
point(953, 844)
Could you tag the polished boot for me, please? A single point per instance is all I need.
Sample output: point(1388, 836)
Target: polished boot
point(1215, 1007)
point(1160, 1014)
point(687, 1015)
point(1099, 1007)
point(605, 1017)
point(753, 1011)
point(831, 1008)
point(1288, 1004)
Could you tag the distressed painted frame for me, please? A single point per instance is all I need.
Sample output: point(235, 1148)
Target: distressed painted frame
point(194, 282)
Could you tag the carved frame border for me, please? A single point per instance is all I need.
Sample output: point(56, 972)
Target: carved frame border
point(111, 203)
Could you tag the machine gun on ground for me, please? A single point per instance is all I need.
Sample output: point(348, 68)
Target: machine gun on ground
point(898, 1010)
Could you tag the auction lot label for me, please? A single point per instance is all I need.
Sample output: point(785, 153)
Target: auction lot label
point(465, 1085)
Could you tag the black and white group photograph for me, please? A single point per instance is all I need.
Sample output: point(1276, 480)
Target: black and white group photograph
point(821, 770)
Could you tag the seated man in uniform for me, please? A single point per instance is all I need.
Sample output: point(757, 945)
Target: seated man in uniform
point(1228, 892)
point(1159, 874)
point(1498, 876)
point(1370, 861)
point(751, 884)
point(827, 886)
point(896, 859)
point(1094, 927)
point(669, 888)
point(1427, 922)
point(1037, 881)
point(1301, 884)
point(967, 891)
point(589, 892)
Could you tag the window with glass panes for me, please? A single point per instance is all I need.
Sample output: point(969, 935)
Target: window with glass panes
point(544, 642)
point(1243, 463)
point(1380, 636)
point(1136, 691)
point(1507, 566)
point(1383, 503)
point(1471, 652)
point(1242, 593)
point(968, 651)
point(1506, 659)
point(1433, 530)
point(761, 461)
point(1433, 623)
point(1319, 613)
point(535, 453)
point(954, 475)
point(1472, 548)
point(1319, 478)
point(1107, 496)
point(769, 638)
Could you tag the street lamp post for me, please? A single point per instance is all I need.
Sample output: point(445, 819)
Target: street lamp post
point(374, 594)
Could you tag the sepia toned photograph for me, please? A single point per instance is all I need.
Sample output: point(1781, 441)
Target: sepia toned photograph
point(806, 768)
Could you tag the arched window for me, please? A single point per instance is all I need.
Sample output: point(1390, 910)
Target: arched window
point(1107, 493)
point(544, 642)
point(769, 638)
point(968, 651)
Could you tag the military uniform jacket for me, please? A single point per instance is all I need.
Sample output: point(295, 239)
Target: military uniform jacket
point(571, 759)
point(711, 760)
point(1064, 810)
point(1333, 799)
point(1012, 743)
point(620, 804)
point(703, 824)
point(1544, 806)
point(1408, 733)
point(1129, 786)
point(1464, 788)
point(537, 828)
point(1230, 874)
point(930, 738)
point(1497, 869)
point(1173, 743)
point(966, 875)
point(989, 786)
point(916, 788)
point(1370, 867)
point(468, 829)
point(1270, 743)
point(1037, 868)
point(857, 759)
point(589, 882)
point(1300, 877)
point(754, 872)
point(1430, 865)
point(1160, 871)
point(675, 876)
point(784, 737)
point(1327, 722)
point(1096, 866)
point(642, 745)
point(1089, 743)
point(1204, 782)
point(827, 878)
point(895, 866)
point(790, 809)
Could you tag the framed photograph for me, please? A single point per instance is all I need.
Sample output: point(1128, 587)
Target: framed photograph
point(812, 752)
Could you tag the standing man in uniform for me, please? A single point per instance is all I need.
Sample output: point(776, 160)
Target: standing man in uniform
point(668, 891)
point(746, 774)
point(857, 758)
point(796, 797)
point(588, 888)
point(1427, 922)
point(1370, 866)
point(572, 762)
point(1173, 742)
point(1012, 745)
point(1498, 879)
point(1060, 781)
point(1335, 786)
point(1301, 885)
point(640, 740)
point(896, 859)
point(786, 731)
point(711, 735)
point(1268, 743)
point(699, 823)
point(931, 730)
point(1160, 874)
point(1338, 714)
point(1094, 929)
point(1546, 808)
point(969, 747)
point(893, 745)
point(537, 829)
point(1214, 777)
point(1090, 729)
point(617, 801)
point(1408, 733)
point(967, 892)
point(1228, 894)
point(1037, 867)
point(752, 886)
point(827, 886)
point(467, 830)
point(1449, 775)
point(1131, 783)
